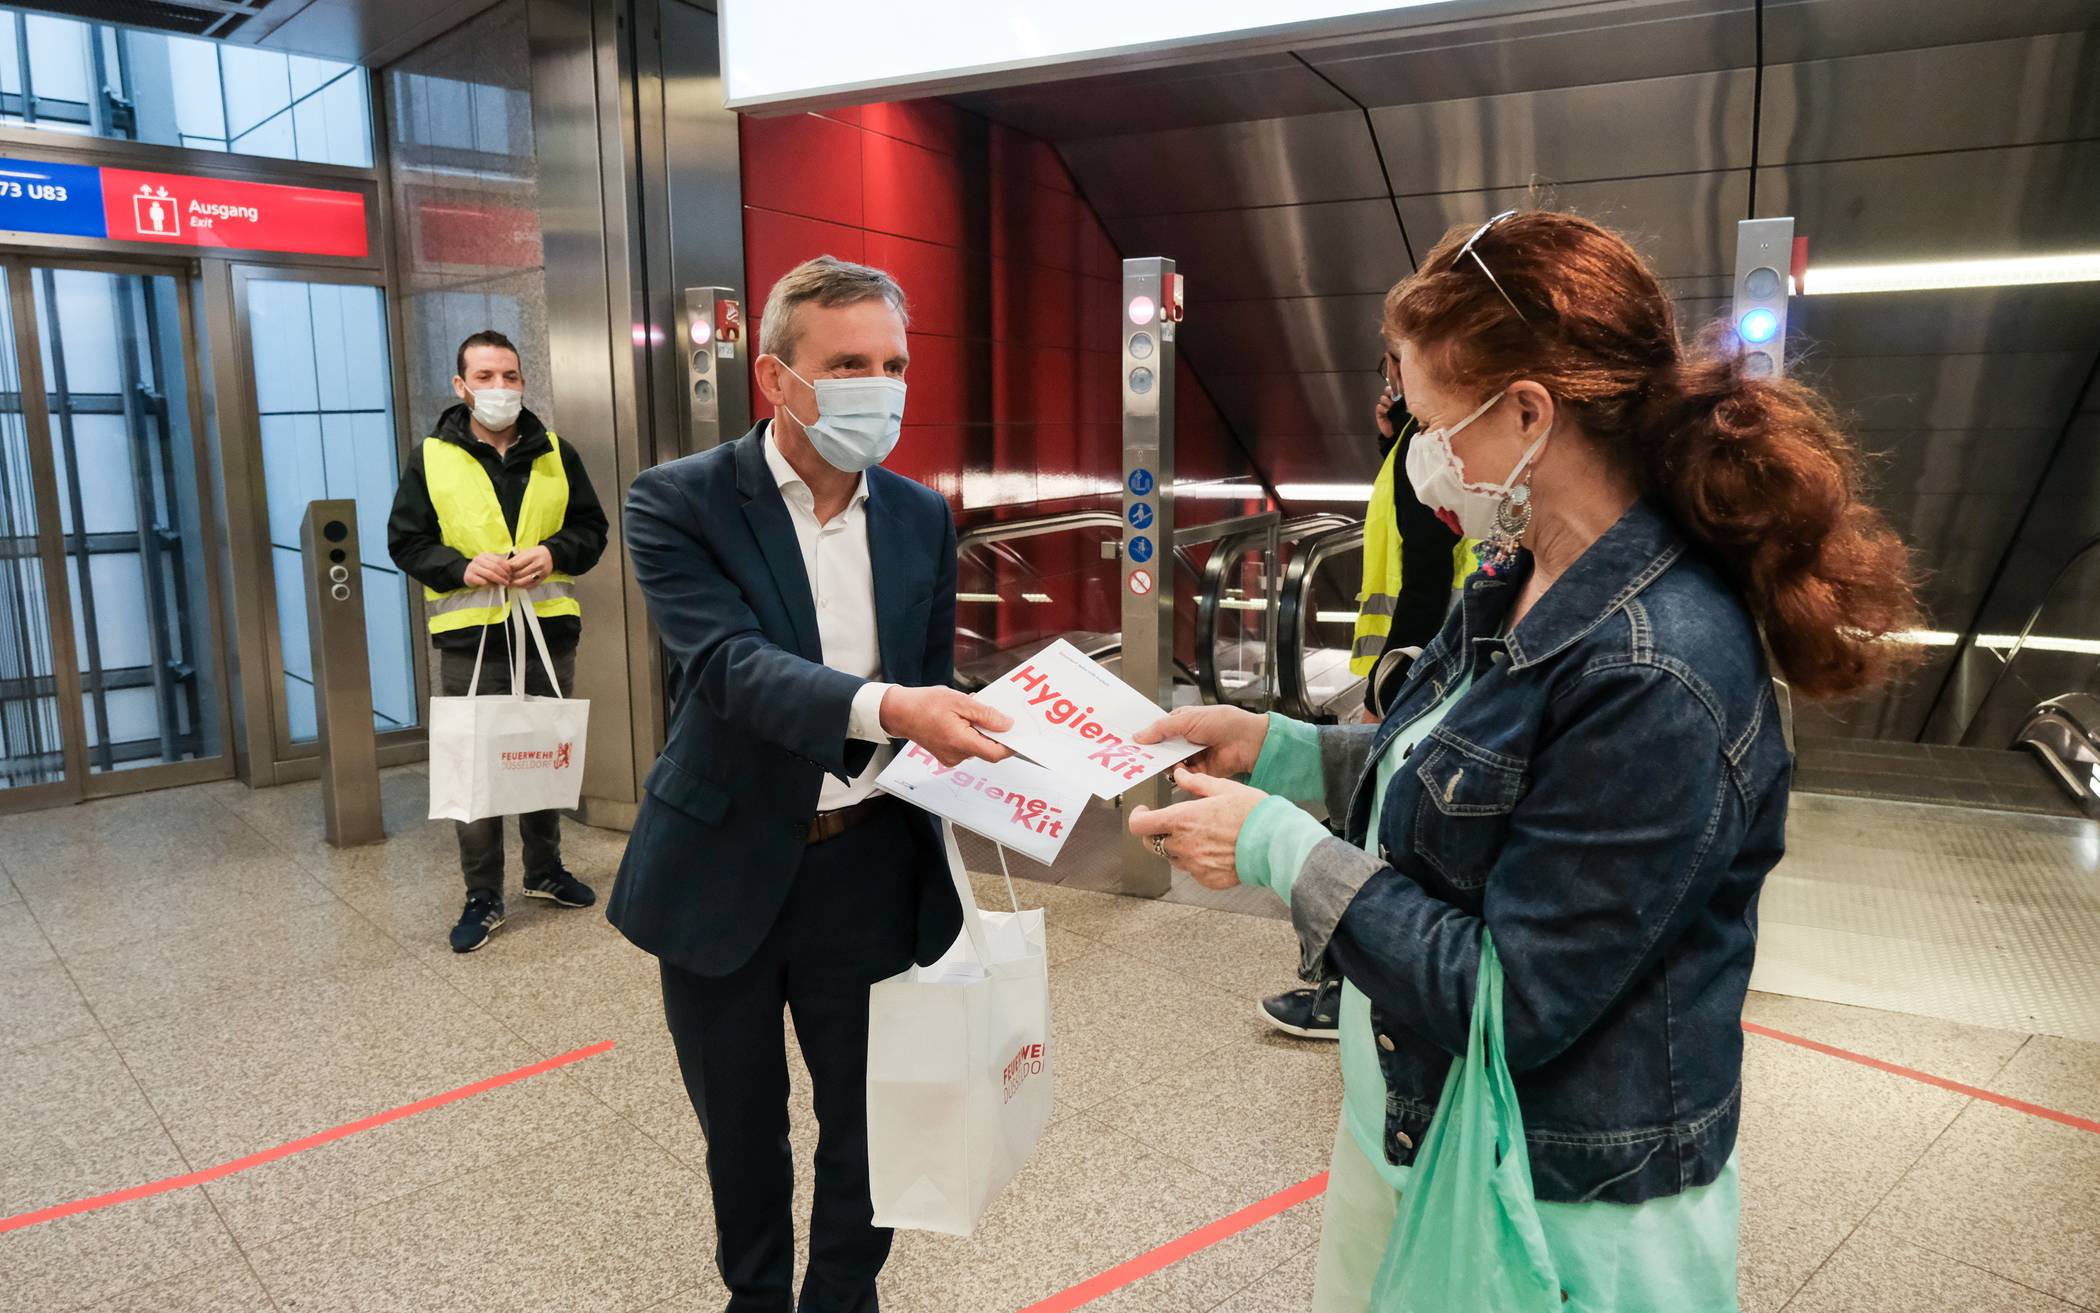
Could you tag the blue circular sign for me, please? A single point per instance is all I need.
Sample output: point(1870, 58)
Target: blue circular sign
point(1141, 515)
point(1140, 482)
point(1140, 549)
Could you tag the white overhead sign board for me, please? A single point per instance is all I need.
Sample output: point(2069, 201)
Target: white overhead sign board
point(781, 52)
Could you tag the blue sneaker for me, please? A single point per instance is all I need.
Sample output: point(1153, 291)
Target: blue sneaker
point(563, 889)
point(1307, 1013)
point(483, 913)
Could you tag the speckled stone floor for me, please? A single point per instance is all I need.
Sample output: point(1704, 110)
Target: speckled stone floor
point(191, 976)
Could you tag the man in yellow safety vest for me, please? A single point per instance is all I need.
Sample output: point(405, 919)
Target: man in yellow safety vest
point(492, 500)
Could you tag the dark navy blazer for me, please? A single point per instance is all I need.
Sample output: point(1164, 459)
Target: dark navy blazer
point(758, 720)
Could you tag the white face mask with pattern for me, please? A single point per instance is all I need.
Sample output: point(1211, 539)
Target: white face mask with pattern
point(1440, 482)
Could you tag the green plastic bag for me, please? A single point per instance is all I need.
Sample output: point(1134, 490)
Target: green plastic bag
point(1467, 1238)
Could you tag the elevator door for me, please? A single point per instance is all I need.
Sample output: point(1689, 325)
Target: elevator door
point(109, 672)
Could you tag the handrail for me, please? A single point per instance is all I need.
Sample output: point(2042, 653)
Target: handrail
point(1290, 622)
point(1036, 527)
point(2012, 653)
point(1210, 598)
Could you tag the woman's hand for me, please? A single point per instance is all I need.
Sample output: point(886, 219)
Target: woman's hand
point(1201, 836)
point(1231, 739)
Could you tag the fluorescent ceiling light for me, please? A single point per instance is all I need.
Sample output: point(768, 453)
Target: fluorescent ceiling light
point(771, 57)
point(1324, 491)
point(2008, 271)
point(1998, 642)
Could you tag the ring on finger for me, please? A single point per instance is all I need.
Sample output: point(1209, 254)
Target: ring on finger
point(1159, 845)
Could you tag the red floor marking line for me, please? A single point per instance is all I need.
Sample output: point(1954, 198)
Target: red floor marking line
point(1202, 1238)
point(347, 1129)
point(1926, 1077)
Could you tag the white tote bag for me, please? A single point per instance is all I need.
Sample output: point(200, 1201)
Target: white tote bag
point(507, 755)
point(959, 1070)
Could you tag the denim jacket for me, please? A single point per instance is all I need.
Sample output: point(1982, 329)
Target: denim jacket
point(1607, 799)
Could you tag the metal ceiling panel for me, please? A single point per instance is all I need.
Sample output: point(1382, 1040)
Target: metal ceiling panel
point(1966, 320)
point(1581, 46)
point(1286, 250)
point(1684, 224)
point(1980, 392)
point(1696, 123)
point(2018, 200)
point(1286, 336)
point(1996, 93)
point(1217, 91)
point(1265, 406)
point(1798, 30)
point(1907, 463)
point(1288, 161)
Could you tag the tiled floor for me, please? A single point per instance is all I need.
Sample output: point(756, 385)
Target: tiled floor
point(192, 976)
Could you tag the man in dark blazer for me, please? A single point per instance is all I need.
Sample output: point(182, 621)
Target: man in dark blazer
point(806, 598)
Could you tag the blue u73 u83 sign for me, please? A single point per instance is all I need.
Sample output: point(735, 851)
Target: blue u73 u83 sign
point(65, 199)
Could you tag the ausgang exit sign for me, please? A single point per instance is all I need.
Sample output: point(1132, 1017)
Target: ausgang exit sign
point(177, 209)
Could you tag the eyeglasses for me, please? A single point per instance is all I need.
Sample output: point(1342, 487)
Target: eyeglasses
point(1467, 250)
point(1385, 370)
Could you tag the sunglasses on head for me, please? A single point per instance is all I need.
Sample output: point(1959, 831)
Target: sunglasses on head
point(1467, 250)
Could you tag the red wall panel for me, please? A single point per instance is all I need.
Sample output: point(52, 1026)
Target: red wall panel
point(1016, 295)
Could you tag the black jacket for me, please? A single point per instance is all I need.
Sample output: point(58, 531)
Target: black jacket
point(417, 545)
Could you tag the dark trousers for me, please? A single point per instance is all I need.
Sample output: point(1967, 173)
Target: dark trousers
point(481, 842)
point(849, 922)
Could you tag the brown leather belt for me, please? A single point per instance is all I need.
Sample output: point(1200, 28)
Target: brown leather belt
point(832, 824)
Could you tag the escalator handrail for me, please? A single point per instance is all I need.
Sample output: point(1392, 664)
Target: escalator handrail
point(1290, 622)
point(2012, 654)
point(1225, 554)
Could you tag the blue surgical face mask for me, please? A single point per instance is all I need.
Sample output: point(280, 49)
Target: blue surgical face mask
point(858, 420)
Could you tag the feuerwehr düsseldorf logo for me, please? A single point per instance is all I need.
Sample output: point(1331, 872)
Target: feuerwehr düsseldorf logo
point(1028, 1062)
point(555, 758)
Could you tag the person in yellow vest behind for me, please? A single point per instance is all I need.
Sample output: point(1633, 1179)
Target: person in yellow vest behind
point(493, 500)
point(1414, 562)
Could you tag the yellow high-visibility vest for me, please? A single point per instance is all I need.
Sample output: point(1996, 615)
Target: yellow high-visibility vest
point(1380, 597)
point(470, 520)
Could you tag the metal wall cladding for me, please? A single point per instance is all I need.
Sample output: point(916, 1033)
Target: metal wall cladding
point(1968, 392)
point(1953, 321)
point(1281, 161)
point(2012, 200)
point(1903, 103)
point(1683, 224)
point(1691, 124)
point(1290, 250)
point(1274, 85)
point(1289, 335)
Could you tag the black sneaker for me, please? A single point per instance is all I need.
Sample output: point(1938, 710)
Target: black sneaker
point(563, 889)
point(484, 912)
point(1307, 1013)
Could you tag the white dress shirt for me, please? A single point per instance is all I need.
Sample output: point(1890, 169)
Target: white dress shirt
point(842, 585)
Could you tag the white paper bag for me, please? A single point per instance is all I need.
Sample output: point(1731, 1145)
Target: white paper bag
point(507, 755)
point(959, 1070)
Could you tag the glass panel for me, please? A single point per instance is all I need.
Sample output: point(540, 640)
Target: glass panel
point(182, 91)
point(31, 735)
point(130, 513)
point(324, 390)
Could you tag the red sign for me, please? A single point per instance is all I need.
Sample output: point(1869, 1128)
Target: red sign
point(179, 210)
point(1140, 582)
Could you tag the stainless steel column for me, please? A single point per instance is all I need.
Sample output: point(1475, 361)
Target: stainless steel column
point(335, 624)
point(1151, 304)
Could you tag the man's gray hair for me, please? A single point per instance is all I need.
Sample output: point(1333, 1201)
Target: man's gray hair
point(830, 282)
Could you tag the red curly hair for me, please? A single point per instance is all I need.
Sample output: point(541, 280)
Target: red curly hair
point(1757, 470)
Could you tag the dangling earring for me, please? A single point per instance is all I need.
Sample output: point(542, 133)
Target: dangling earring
point(1512, 522)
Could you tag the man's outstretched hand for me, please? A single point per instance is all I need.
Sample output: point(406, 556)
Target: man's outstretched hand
point(946, 723)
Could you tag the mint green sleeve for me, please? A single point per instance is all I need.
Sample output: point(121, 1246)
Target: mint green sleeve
point(1289, 765)
point(1274, 843)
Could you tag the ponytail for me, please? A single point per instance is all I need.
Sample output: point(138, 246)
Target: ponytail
point(1755, 470)
point(1758, 471)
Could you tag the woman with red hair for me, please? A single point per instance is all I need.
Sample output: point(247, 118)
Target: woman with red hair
point(1586, 767)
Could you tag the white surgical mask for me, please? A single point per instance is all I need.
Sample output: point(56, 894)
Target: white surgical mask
point(858, 420)
point(497, 408)
point(1440, 481)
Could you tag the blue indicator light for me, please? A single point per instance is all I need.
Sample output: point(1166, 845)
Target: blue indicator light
point(1758, 326)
